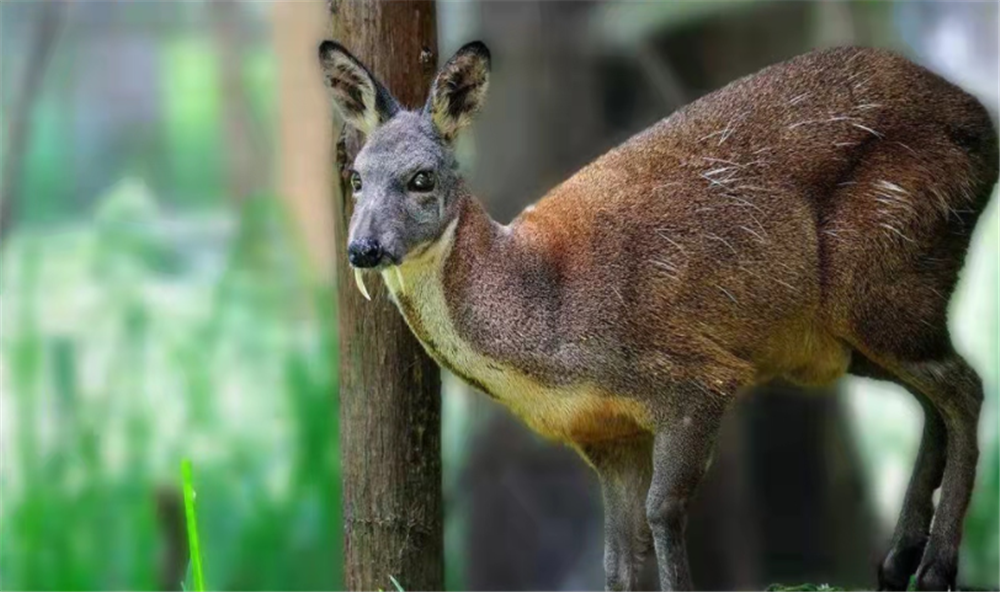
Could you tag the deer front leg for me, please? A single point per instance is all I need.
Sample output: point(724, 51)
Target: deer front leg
point(625, 469)
point(681, 450)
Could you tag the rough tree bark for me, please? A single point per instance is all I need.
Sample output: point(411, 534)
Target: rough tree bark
point(389, 389)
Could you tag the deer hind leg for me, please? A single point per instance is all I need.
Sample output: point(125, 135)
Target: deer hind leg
point(912, 527)
point(625, 469)
point(957, 391)
point(952, 387)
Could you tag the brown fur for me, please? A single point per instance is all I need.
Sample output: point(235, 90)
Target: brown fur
point(801, 222)
point(649, 266)
point(812, 213)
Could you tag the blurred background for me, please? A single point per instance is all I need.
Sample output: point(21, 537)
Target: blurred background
point(167, 293)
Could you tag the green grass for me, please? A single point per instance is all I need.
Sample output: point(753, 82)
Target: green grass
point(803, 588)
point(194, 545)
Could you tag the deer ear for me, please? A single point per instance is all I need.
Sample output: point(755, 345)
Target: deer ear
point(459, 89)
point(363, 102)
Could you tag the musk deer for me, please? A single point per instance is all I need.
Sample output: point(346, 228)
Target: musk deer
point(802, 222)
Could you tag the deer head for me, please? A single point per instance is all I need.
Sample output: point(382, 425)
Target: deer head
point(405, 180)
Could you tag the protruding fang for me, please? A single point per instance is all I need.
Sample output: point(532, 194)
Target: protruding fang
point(399, 278)
point(360, 281)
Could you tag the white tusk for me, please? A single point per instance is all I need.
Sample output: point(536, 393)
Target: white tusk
point(360, 281)
point(399, 278)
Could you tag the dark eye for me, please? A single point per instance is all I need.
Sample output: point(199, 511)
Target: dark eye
point(422, 181)
point(355, 181)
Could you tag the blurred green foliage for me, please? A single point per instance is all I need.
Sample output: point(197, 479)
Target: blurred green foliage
point(149, 317)
point(192, 118)
point(107, 394)
point(181, 153)
point(981, 541)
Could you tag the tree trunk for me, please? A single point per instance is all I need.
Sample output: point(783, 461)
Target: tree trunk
point(18, 118)
point(390, 409)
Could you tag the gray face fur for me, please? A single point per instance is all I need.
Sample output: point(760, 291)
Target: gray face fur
point(387, 209)
point(390, 209)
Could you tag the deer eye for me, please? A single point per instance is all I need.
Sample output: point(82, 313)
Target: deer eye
point(355, 181)
point(422, 181)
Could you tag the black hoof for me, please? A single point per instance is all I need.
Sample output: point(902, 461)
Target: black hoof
point(900, 563)
point(937, 575)
point(892, 581)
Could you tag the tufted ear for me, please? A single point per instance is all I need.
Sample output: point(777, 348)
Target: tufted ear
point(363, 102)
point(459, 89)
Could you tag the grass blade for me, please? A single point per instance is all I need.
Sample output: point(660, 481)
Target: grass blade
point(192, 527)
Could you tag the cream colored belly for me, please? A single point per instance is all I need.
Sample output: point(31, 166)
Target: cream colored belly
point(577, 414)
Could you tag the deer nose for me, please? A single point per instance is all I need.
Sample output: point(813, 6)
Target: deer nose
point(364, 252)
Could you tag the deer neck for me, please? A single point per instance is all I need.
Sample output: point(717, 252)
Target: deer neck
point(456, 294)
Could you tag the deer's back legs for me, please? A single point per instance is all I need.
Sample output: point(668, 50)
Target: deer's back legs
point(949, 389)
point(910, 537)
point(956, 390)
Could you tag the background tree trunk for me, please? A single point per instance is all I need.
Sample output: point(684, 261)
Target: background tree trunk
point(17, 119)
point(246, 165)
point(304, 173)
point(390, 408)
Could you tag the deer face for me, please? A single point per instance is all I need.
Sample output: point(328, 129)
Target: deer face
point(404, 182)
point(405, 179)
